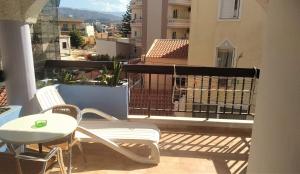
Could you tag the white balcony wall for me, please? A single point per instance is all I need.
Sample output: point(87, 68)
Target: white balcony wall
point(276, 132)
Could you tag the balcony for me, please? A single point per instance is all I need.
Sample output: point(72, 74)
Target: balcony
point(179, 23)
point(276, 131)
point(137, 22)
point(181, 2)
point(136, 3)
point(203, 138)
point(138, 41)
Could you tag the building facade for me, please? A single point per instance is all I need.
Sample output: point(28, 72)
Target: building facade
point(68, 24)
point(226, 33)
point(159, 19)
point(45, 36)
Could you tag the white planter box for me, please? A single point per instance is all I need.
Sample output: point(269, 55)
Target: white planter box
point(112, 100)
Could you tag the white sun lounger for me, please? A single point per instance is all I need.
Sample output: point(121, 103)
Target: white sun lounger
point(110, 132)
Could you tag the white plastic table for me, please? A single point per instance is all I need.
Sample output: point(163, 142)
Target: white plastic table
point(24, 131)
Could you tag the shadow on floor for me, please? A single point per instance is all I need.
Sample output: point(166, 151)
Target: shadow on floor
point(228, 154)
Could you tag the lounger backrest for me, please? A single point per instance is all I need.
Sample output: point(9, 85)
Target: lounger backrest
point(49, 97)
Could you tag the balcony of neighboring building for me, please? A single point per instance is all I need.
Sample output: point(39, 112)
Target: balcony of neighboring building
point(179, 17)
point(137, 22)
point(178, 33)
point(181, 2)
point(179, 23)
point(136, 3)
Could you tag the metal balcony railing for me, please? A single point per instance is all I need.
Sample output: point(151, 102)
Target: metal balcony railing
point(227, 93)
point(179, 22)
point(135, 3)
point(181, 2)
point(203, 92)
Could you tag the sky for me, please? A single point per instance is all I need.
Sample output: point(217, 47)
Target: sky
point(97, 5)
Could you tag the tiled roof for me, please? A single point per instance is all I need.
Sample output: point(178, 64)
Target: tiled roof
point(169, 48)
point(3, 96)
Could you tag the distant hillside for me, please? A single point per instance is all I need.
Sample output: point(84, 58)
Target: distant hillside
point(90, 16)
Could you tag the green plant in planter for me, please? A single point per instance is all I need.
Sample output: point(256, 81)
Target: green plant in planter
point(65, 77)
point(113, 78)
point(117, 68)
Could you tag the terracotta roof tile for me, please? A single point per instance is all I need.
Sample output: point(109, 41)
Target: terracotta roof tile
point(169, 48)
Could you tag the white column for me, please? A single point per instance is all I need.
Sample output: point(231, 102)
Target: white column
point(275, 144)
point(16, 50)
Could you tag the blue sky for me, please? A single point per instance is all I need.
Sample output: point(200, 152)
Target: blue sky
point(97, 5)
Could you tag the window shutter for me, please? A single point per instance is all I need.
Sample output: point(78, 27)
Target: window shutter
point(227, 9)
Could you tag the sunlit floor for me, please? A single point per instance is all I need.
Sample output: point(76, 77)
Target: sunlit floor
point(190, 152)
point(181, 152)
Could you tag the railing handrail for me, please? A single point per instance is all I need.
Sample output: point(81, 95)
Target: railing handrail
point(158, 69)
point(193, 70)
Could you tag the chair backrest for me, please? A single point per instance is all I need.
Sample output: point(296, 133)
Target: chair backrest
point(70, 110)
point(49, 97)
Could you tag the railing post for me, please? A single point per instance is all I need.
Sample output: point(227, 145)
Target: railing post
point(149, 97)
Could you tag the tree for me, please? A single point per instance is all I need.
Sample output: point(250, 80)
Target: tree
point(125, 29)
point(76, 39)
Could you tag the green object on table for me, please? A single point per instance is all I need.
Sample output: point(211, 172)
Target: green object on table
point(40, 123)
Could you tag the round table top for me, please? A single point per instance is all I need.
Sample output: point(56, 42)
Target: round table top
point(24, 131)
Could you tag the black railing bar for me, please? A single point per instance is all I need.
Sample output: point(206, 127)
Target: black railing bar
point(165, 88)
point(149, 95)
point(155, 69)
point(157, 86)
point(208, 97)
point(233, 96)
point(218, 90)
point(250, 95)
point(192, 70)
point(225, 100)
point(201, 92)
point(213, 89)
point(242, 95)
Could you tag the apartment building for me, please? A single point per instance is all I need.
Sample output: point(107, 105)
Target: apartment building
point(227, 33)
point(159, 19)
point(68, 24)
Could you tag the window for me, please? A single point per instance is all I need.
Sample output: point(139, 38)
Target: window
point(73, 27)
point(134, 16)
point(174, 35)
point(225, 55)
point(135, 33)
point(64, 45)
point(175, 13)
point(229, 9)
point(65, 27)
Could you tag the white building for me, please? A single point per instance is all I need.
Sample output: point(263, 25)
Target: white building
point(89, 30)
point(65, 45)
point(113, 48)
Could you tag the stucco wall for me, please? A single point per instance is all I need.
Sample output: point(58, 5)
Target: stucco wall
point(154, 18)
point(207, 32)
point(106, 47)
point(276, 132)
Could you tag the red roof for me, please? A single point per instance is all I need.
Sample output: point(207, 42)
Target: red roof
point(3, 96)
point(169, 48)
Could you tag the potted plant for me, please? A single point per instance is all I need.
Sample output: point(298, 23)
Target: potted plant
point(106, 92)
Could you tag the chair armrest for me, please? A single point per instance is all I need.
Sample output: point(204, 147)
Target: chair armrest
point(99, 113)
